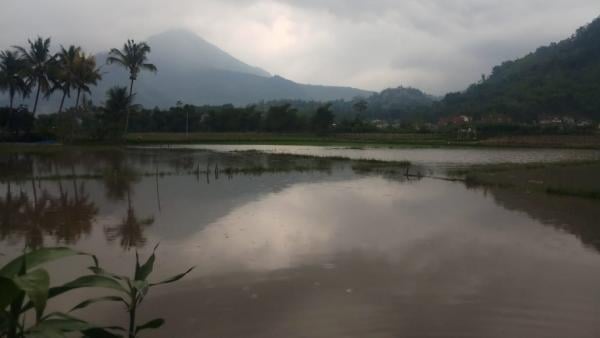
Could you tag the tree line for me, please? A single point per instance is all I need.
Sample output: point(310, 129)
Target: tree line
point(34, 71)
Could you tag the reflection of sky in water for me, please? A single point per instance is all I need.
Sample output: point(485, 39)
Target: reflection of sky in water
point(312, 223)
point(424, 156)
point(508, 262)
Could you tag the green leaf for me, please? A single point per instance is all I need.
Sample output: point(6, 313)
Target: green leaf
point(56, 325)
point(174, 278)
point(99, 271)
point(153, 324)
point(89, 281)
point(89, 302)
point(4, 321)
point(8, 292)
point(140, 285)
point(58, 321)
point(142, 272)
point(35, 284)
point(62, 325)
point(38, 257)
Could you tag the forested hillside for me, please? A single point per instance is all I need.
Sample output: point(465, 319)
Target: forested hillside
point(560, 79)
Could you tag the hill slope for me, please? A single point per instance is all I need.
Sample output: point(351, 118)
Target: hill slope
point(562, 78)
point(196, 72)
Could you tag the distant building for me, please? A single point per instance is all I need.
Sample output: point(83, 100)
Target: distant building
point(584, 123)
point(380, 124)
point(458, 120)
point(496, 119)
point(550, 121)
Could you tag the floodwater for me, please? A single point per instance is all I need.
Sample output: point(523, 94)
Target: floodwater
point(291, 246)
point(434, 157)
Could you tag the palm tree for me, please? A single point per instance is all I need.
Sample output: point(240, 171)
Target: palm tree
point(118, 100)
point(63, 74)
point(117, 106)
point(12, 70)
point(86, 75)
point(39, 61)
point(133, 56)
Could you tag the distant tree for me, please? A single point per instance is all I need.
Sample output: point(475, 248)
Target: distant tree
point(86, 75)
point(360, 106)
point(62, 75)
point(282, 118)
point(322, 121)
point(118, 104)
point(39, 62)
point(12, 70)
point(133, 56)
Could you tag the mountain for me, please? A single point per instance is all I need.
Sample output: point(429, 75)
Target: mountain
point(197, 72)
point(194, 71)
point(399, 103)
point(560, 79)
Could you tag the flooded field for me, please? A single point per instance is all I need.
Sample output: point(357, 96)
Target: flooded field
point(298, 246)
point(433, 157)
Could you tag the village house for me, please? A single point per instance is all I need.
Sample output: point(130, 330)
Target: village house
point(458, 120)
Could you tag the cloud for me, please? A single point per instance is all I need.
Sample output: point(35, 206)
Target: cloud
point(437, 45)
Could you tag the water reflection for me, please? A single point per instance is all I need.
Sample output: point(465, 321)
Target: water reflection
point(45, 195)
point(65, 217)
point(573, 215)
point(130, 231)
point(281, 242)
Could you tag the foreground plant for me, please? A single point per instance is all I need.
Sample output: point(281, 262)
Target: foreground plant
point(24, 286)
point(132, 291)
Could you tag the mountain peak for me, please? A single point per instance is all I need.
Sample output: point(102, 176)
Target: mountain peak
point(192, 52)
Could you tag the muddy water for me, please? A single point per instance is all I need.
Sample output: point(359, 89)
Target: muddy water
point(436, 157)
point(299, 247)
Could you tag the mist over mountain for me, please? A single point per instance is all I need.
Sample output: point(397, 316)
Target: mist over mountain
point(194, 71)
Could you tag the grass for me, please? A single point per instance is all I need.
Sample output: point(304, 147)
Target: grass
point(350, 140)
point(572, 178)
point(357, 140)
point(590, 194)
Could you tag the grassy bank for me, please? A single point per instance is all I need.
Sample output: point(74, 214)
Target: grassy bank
point(349, 140)
point(382, 139)
point(368, 139)
point(579, 179)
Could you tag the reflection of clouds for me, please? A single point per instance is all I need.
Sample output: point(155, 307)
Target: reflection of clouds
point(422, 225)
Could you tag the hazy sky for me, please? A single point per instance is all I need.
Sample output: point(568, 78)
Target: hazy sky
point(435, 45)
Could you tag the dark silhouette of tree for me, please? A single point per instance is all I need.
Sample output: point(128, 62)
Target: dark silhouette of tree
point(130, 231)
point(12, 80)
point(133, 56)
point(282, 118)
point(71, 215)
point(117, 107)
point(322, 121)
point(360, 106)
point(39, 62)
point(11, 212)
point(86, 75)
point(62, 75)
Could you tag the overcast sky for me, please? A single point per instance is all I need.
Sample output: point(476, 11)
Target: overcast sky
point(435, 45)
